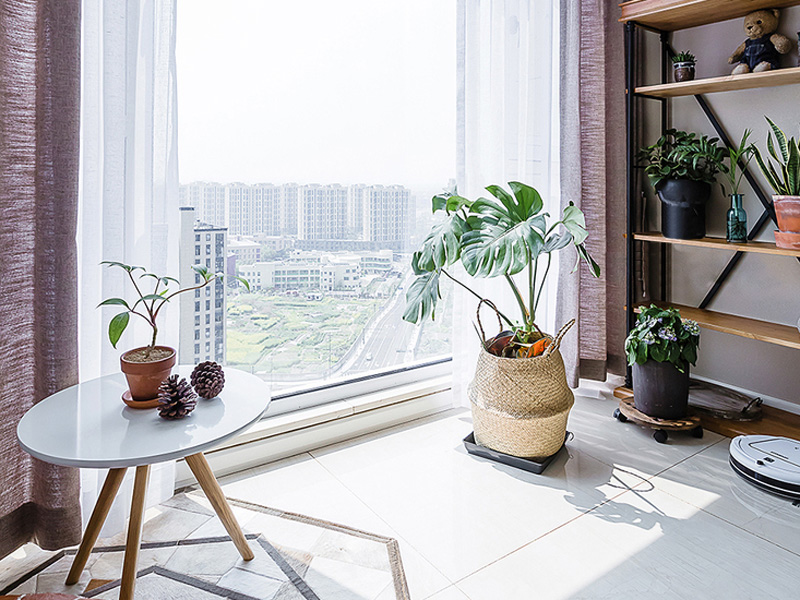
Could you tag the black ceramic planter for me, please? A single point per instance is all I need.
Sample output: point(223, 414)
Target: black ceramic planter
point(660, 390)
point(683, 208)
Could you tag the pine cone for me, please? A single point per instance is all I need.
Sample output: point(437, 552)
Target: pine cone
point(176, 398)
point(208, 379)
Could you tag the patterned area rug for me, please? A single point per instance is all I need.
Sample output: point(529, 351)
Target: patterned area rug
point(186, 554)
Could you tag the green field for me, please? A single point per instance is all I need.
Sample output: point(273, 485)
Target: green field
point(280, 334)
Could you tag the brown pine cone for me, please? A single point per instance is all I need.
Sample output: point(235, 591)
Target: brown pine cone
point(176, 398)
point(208, 379)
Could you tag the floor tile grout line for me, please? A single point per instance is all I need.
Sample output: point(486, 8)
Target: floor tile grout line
point(371, 510)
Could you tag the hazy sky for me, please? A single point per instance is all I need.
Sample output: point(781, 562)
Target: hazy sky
point(317, 91)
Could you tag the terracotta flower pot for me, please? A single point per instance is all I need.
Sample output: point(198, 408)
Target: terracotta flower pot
point(789, 240)
point(787, 209)
point(145, 377)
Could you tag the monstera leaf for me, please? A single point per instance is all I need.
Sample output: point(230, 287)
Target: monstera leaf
point(442, 247)
point(421, 297)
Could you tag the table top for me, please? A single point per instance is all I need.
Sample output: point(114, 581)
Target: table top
point(88, 425)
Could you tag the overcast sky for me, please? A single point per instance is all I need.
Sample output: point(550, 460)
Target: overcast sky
point(317, 91)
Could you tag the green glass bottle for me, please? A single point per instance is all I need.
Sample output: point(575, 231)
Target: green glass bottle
point(737, 220)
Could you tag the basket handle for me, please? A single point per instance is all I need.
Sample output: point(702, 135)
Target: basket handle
point(557, 340)
point(478, 316)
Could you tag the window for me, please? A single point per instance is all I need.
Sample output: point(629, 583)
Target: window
point(335, 236)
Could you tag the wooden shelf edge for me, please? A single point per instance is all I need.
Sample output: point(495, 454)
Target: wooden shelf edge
point(763, 331)
point(774, 421)
point(672, 15)
point(717, 244)
point(726, 83)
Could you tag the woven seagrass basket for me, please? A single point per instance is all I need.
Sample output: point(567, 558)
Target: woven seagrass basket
point(520, 405)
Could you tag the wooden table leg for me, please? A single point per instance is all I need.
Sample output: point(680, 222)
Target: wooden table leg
point(205, 477)
point(99, 514)
point(134, 533)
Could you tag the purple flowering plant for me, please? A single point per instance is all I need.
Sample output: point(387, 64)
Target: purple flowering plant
point(663, 336)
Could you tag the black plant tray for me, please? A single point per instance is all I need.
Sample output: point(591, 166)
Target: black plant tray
point(532, 465)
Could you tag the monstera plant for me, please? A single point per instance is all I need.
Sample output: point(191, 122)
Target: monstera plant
point(519, 396)
point(501, 236)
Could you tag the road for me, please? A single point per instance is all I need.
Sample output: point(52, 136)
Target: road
point(388, 342)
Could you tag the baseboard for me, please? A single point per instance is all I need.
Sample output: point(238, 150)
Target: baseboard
point(290, 434)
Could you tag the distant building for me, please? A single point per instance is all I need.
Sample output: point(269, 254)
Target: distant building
point(321, 212)
point(202, 313)
point(208, 200)
point(355, 210)
point(246, 249)
point(385, 215)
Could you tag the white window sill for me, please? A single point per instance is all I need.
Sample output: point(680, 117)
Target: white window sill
point(302, 430)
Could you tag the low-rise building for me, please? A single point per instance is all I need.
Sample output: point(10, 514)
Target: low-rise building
point(246, 249)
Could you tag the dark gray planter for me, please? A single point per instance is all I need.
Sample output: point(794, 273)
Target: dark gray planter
point(683, 208)
point(660, 390)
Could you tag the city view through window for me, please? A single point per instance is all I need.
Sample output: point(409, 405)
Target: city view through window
point(312, 139)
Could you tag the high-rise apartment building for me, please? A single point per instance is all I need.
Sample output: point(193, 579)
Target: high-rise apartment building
point(202, 313)
point(321, 212)
point(384, 215)
point(288, 209)
point(208, 200)
point(355, 210)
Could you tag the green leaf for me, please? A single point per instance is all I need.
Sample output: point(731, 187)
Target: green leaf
point(421, 297)
point(529, 199)
point(114, 301)
point(117, 326)
point(442, 247)
point(781, 138)
point(575, 222)
point(243, 281)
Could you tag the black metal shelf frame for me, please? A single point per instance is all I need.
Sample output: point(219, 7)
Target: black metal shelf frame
point(631, 70)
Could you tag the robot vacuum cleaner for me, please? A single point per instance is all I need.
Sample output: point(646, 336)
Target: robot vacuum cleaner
point(768, 462)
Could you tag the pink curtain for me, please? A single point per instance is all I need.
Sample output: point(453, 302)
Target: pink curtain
point(39, 149)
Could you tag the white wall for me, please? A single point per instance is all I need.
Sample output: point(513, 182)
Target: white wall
point(762, 286)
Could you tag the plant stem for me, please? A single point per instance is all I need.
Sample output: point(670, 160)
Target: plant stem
point(502, 316)
point(173, 294)
point(518, 297)
point(532, 273)
point(541, 288)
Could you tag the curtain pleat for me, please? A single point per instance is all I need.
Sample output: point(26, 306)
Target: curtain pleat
point(592, 121)
point(39, 150)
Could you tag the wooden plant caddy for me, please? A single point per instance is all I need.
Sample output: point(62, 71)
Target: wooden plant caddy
point(628, 412)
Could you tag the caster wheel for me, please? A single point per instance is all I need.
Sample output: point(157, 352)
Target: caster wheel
point(697, 432)
point(660, 436)
point(619, 416)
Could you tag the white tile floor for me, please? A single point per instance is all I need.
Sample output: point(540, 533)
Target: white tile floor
point(616, 516)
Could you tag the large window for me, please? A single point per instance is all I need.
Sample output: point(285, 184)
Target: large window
point(313, 135)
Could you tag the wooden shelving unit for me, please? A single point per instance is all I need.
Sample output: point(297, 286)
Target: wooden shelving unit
point(672, 15)
point(728, 83)
point(763, 331)
point(662, 17)
point(718, 244)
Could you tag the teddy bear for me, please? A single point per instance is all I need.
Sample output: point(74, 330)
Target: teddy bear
point(762, 49)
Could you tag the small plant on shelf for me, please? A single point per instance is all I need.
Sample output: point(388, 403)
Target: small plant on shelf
point(683, 66)
point(782, 170)
point(738, 159)
point(682, 166)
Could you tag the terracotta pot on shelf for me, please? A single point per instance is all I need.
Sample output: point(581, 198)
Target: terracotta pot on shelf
point(787, 210)
point(145, 377)
point(788, 240)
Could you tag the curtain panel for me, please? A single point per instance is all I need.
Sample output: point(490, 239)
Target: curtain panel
point(128, 193)
point(39, 149)
point(507, 110)
point(592, 122)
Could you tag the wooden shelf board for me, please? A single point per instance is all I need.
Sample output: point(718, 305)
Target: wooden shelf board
point(717, 244)
point(764, 331)
point(726, 83)
point(773, 421)
point(671, 15)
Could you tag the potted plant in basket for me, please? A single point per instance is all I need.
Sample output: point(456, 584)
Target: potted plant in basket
point(785, 180)
point(737, 217)
point(683, 66)
point(520, 398)
point(682, 167)
point(147, 366)
point(661, 349)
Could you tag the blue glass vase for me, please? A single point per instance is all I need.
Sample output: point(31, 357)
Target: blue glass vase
point(737, 220)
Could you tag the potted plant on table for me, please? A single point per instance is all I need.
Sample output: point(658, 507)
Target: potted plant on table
point(660, 350)
point(682, 167)
point(785, 181)
point(520, 398)
point(736, 229)
point(683, 64)
point(148, 366)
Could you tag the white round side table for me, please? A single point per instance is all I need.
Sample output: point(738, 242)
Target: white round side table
point(88, 426)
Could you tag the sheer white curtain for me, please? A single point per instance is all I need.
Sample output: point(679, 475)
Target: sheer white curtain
point(507, 131)
point(129, 187)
